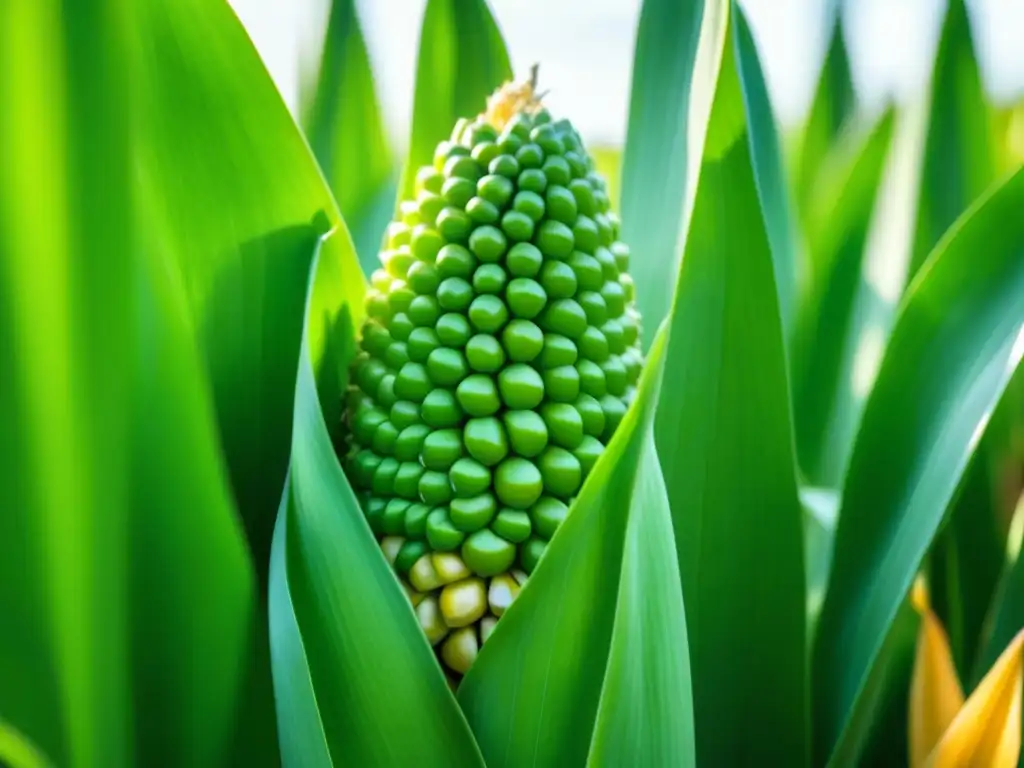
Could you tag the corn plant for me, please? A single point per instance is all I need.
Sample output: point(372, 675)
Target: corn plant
point(717, 468)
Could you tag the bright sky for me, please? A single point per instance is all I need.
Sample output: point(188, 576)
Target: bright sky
point(585, 49)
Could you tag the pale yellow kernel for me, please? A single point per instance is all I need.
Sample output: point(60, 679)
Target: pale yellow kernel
point(449, 567)
point(487, 625)
point(463, 602)
point(460, 649)
point(502, 592)
point(423, 576)
point(430, 620)
point(391, 545)
point(519, 576)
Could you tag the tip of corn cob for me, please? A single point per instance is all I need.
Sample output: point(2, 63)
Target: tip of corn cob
point(512, 98)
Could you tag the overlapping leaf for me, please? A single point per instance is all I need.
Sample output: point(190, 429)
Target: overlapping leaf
point(462, 59)
point(955, 345)
point(346, 642)
point(832, 107)
point(657, 162)
point(841, 301)
point(959, 159)
point(724, 437)
point(125, 634)
point(589, 664)
point(345, 129)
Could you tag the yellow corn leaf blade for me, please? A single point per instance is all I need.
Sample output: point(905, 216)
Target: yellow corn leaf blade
point(987, 730)
point(935, 693)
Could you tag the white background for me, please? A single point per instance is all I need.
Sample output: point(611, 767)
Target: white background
point(585, 49)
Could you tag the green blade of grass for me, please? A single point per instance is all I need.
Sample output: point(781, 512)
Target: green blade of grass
point(965, 564)
point(953, 349)
point(832, 106)
point(657, 163)
point(959, 158)
point(345, 128)
point(837, 313)
point(462, 59)
point(373, 678)
point(726, 445)
point(589, 663)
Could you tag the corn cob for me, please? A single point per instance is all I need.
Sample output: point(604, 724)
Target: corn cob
point(499, 354)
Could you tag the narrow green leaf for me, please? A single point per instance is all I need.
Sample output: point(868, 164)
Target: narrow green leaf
point(656, 160)
point(1007, 616)
point(575, 666)
point(303, 741)
point(66, 328)
point(966, 560)
point(836, 316)
point(346, 131)
point(726, 445)
point(380, 694)
point(832, 106)
point(231, 186)
point(462, 59)
point(959, 157)
point(953, 349)
point(647, 686)
point(772, 185)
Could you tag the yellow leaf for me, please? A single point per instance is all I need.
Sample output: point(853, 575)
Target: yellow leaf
point(935, 693)
point(986, 731)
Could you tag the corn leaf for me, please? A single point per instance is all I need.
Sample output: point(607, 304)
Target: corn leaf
point(657, 164)
point(726, 444)
point(588, 665)
point(832, 107)
point(232, 185)
point(346, 131)
point(462, 59)
point(375, 683)
point(953, 349)
point(833, 322)
point(125, 635)
point(959, 157)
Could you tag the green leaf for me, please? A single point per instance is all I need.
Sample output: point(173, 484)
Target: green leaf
point(589, 664)
point(959, 157)
point(1007, 616)
point(840, 309)
point(832, 106)
point(965, 563)
point(373, 678)
point(66, 331)
point(231, 188)
point(191, 585)
point(462, 60)
point(772, 185)
point(127, 636)
point(656, 166)
point(953, 349)
point(726, 445)
point(345, 128)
